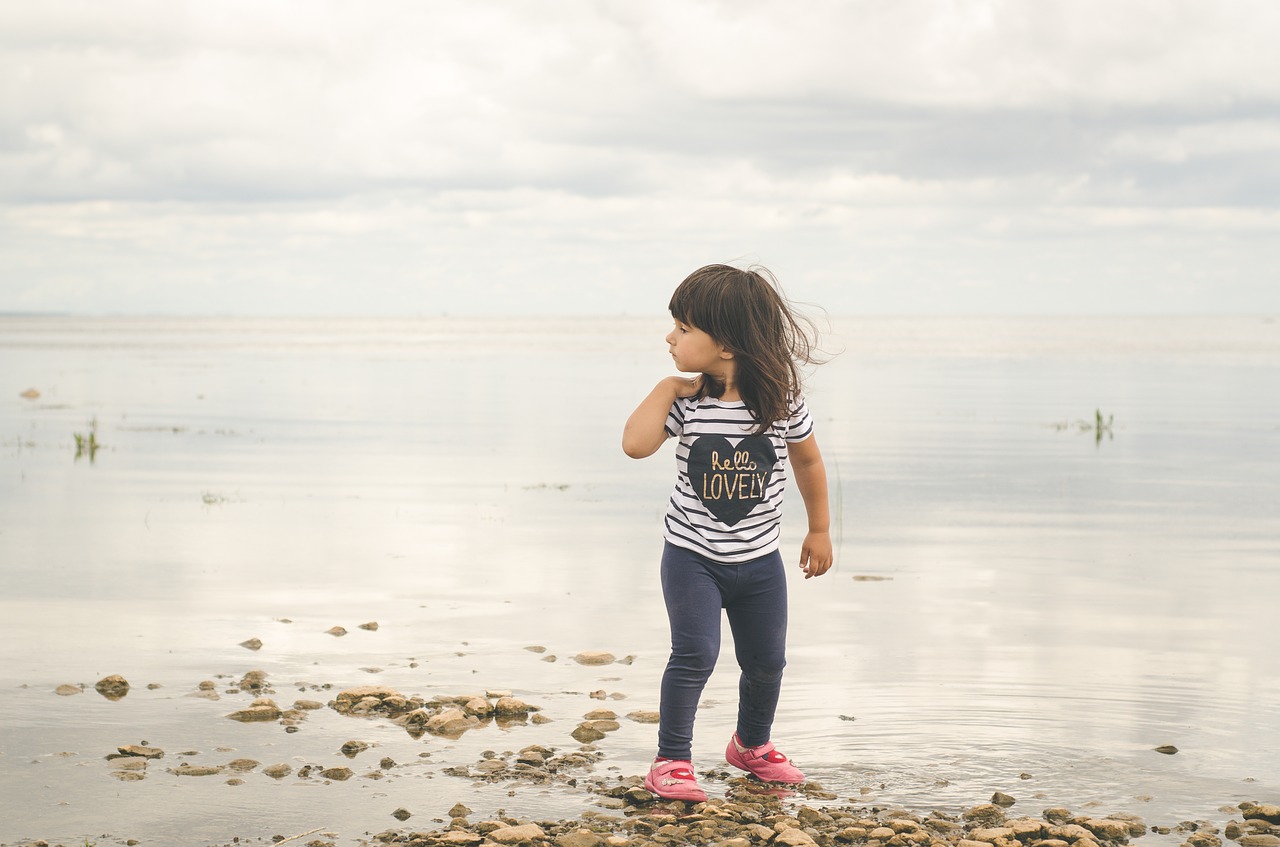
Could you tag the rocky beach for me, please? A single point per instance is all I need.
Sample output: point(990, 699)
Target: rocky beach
point(617, 810)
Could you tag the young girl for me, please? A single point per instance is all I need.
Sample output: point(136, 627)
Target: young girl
point(738, 421)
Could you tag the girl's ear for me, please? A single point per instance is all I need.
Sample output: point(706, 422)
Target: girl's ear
point(725, 352)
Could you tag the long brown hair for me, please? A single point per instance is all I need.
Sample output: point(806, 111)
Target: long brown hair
point(744, 310)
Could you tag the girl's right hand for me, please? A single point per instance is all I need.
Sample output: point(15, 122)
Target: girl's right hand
point(685, 386)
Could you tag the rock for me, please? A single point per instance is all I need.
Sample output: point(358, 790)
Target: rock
point(402, 814)
point(141, 751)
point(643, 716)
point(478, 706)
point(351, 749)
point(1003, 800)
point(67, 690)
point(252, 644)
point(253, 681)
point(1259, 840)
point(1057, 815)
point(186, 769)
point(507, 707)
point(262, 709)
point(986, 815)
point(586, 733)
point(242, 765)
point(594, 657)
point(518, 834)
point(307, 705)
point(371, 626)
point(536, 648)
point(1202, 839)
point(1070, 832)
point(459, 811)
point(387, 763)
point(795, 837)
point(112, 687)
point(279, 771)
point(1268, 812)
point(450, 722)
point(336, 631)
point(601, 715)
point(337, 774)
point(989, 835)
point(1167, 749)
point(1106, 829)
point(30, 394)
point(582, 838)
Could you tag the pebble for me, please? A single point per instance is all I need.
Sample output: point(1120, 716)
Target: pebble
point(68, 690)
point(594, 657)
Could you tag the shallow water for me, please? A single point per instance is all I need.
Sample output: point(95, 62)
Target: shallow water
point(1013, 596)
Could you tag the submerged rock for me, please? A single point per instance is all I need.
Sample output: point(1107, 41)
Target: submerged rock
point(186, 769)
point(113, 687)
point(253, 681)
point(262, 709)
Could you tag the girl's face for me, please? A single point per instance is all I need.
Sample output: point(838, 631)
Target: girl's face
point(696, 352)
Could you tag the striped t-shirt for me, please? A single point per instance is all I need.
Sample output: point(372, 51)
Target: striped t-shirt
point(727, 504)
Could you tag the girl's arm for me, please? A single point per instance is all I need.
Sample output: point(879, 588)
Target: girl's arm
point(646, 429)
point(811, 479)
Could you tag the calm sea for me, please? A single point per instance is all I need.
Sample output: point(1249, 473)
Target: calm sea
point(1023, 602)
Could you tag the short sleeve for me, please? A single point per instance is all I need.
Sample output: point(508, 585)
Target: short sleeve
point(800, 423)
point(675, 418)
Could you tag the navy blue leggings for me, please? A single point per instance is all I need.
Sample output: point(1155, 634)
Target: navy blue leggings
point(754, 594)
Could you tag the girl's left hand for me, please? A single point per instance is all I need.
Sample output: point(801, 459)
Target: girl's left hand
point(815, 554)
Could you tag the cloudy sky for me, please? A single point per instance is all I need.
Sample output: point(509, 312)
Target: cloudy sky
point(426, 156)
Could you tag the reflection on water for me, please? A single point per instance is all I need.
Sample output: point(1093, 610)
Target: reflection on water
point(1018, 605)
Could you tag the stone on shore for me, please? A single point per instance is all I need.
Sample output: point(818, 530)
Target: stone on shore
point(518, 834)
point(594, 657)
point(68, 690)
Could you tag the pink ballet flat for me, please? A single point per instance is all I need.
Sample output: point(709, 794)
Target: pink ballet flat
point(765, 762)
point(673, 779)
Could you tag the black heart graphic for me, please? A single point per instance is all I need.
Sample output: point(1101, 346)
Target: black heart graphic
point(730, 479)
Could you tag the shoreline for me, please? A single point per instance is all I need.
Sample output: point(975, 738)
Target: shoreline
point(622, 813)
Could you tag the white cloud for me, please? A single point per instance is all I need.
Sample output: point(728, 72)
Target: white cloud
point(258, 150)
